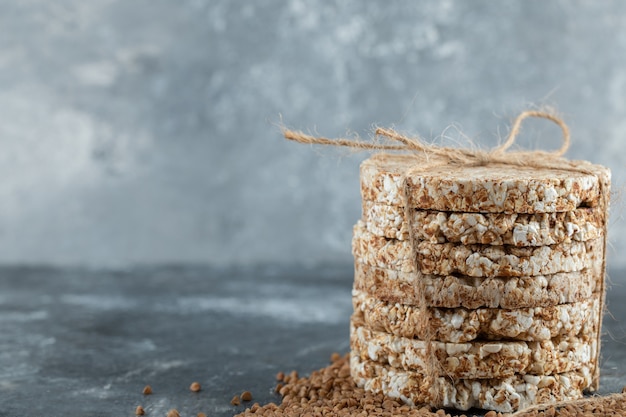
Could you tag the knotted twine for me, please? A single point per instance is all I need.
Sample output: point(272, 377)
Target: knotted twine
point(429, 156)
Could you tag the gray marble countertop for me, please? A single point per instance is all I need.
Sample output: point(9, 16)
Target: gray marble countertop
point(78, 342)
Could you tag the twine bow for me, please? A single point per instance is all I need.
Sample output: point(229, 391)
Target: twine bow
point(456, 156)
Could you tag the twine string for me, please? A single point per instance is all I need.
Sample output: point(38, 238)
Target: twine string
point(303, 138)
point(460, 156)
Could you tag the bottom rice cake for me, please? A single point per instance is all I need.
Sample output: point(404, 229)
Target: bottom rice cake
point(453, 291)
point(477, 359)
point(500, 394)
point(460, 325)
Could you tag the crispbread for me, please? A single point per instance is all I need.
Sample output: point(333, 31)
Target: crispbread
point(538, 229)
point(507, 261)
point(477, 359)
point(490, 189)
point(473, 260)
point(499, 394)
point(460, 325)
point(452, 291)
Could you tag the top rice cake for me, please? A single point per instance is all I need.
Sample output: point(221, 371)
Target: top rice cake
point(495, 188)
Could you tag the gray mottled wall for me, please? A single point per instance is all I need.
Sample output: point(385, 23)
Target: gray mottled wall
point(145, 131)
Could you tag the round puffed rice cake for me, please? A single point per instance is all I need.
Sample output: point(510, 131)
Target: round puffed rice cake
point(451, 291)
point(500, 394)
point(486, 189)
point(537, 229)
point(477, 359)
point(460, 325)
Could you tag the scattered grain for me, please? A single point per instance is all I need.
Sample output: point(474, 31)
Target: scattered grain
point(201, 415)
point(147, 390)
point(195, 387)
point(246, 396)
point(139, 411)
point(173, 413)
point(326, 393)
point(235, 400)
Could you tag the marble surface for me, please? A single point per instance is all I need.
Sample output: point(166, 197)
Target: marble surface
point(142, 132)
point(79, 342)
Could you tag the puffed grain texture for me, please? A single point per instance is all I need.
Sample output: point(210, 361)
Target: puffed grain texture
point(460, 325)
point(476, 359)
point(473, 260)
point(500, 394)
point(489, 189)
point(538, 229)
point(507, 261)
point(451, 291)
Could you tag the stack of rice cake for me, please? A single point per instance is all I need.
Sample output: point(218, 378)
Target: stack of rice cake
point(509, 262)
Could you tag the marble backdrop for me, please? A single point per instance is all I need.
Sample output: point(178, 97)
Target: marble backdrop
point(146, 132)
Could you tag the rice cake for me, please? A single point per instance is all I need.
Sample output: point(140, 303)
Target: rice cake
point(473, 260)
point(500, 394)
point(507, 261)
point(452, 291)
point(477, 359)
point(538, 229)
point(494, 188)
point(459, 325)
